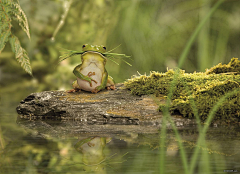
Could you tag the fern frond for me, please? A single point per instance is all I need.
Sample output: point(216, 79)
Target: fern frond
point(4, 26)
point(4, 38)
point(9, 9)
point(5, 9)
point(21, 18)
point(20, 54)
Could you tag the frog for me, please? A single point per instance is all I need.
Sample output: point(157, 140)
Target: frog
point(91, 73)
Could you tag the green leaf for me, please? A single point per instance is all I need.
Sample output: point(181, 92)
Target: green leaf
point(20, 54)
point(4, 26)
point(4, 38)
point(4, 10)
point(21, 18)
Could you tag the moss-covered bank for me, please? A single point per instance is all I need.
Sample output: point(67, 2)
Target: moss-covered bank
point(206, 88)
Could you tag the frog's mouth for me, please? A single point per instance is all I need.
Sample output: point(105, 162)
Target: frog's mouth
point(95, 52)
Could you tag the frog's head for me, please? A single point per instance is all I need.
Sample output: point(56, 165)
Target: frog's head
point(100, 49)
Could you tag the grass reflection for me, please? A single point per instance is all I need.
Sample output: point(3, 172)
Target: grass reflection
point(2, 142)
point(204, 167)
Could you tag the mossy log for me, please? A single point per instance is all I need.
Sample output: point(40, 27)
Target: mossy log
point(196, 93)
point(114, 107)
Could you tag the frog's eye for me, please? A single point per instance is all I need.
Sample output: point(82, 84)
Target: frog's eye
point(83, 46)
point(104, 48)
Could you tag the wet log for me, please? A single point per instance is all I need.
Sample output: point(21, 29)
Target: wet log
point(108, 107)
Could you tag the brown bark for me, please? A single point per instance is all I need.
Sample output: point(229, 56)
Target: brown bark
point(108, 107)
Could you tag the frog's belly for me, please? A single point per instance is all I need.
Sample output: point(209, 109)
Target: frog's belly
point(85, 85)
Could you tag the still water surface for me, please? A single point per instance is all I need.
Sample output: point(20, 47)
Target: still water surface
point(46, 146)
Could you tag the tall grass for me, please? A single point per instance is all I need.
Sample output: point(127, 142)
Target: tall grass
point(2, 142)
point(189, 168)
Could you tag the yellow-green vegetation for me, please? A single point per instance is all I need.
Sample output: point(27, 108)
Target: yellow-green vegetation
point(203, 87)
point(232, 67)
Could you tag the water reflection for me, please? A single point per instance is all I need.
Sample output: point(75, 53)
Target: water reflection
point(93, 156)
point(69, 147)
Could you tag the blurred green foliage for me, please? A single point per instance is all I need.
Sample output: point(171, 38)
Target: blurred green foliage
point(153, 32)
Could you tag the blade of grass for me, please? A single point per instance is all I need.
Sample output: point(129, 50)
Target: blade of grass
point(180, 144)
point(164, 120)
point(195, 110)
point(166, 116)
point(205, 163)
point(162, 142)
point(195, 33)
point(113, 49)
point(111, 58)
point(2, 142)
point(203, 58)
point(172, 86)
point(208, 121)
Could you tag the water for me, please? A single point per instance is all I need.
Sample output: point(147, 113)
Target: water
point(47, 146)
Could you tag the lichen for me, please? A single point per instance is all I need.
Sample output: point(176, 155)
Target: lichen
point(204, 88)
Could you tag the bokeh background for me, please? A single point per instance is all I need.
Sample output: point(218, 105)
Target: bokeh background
point(153, 32)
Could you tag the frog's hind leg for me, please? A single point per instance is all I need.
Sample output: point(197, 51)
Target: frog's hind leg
point(75, 86)
point(110, 83)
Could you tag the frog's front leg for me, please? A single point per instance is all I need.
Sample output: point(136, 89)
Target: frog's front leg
point(77, 73)
point(103, 83)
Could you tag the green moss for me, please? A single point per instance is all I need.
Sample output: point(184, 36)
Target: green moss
point(232, 67)
point(204, 88)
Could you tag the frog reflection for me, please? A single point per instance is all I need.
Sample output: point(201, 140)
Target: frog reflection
point(92, 153)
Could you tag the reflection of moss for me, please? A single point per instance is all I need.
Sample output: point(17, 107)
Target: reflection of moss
point(233, 66)
point(205, 88)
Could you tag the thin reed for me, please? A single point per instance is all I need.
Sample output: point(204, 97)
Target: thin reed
point(189, 168)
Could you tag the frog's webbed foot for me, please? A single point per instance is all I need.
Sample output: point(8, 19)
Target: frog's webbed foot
point(112, 87)
point(95, 91)
point(89, 75)
point(73, 90)
point(98, 88)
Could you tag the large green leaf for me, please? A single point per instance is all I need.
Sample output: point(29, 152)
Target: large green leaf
point(20, 54)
